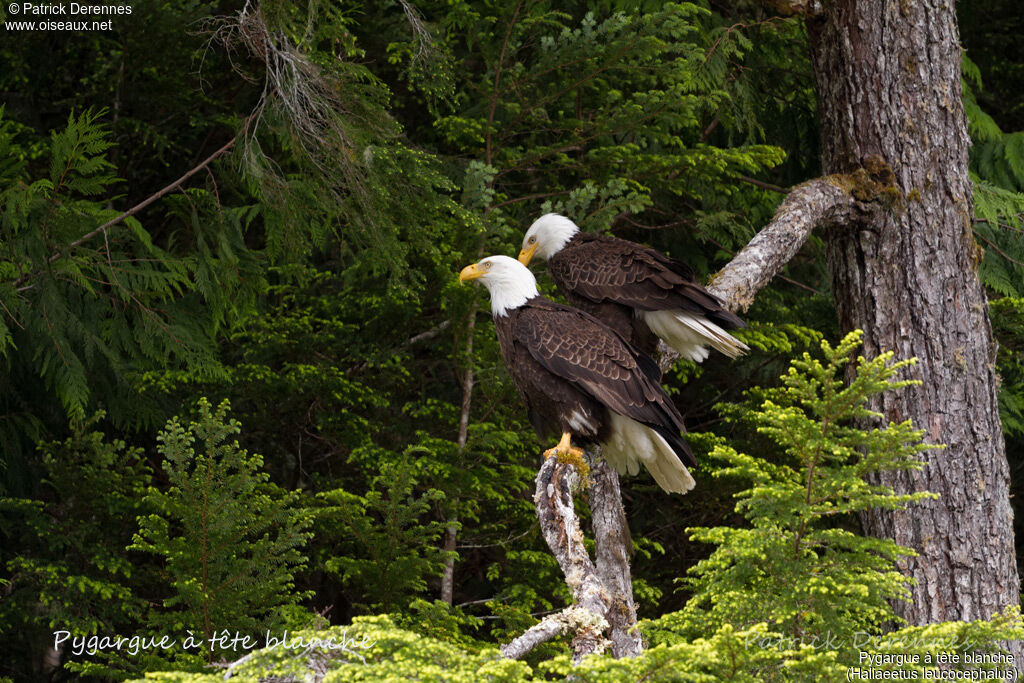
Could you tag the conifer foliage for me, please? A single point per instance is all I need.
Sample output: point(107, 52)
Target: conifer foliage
point(309, 278)
point(800, 565)
point(84, 308)
point(796, 596)
point(73, 571)
point(231, 540)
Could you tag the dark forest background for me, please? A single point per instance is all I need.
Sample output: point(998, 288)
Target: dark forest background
point(239, 407)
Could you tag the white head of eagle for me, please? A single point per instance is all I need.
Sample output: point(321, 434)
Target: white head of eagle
point(547, 236)
point(510, 283)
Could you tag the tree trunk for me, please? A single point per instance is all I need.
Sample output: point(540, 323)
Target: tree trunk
point(888, 78)
point(612, 549)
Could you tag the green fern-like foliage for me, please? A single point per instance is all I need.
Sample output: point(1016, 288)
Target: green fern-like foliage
point(82, 310)
point(796, 596)
point(1008, 325)
point(598, 116)
point(63, 554)
point(997, 169)
point(999, 229)
point(232, 542)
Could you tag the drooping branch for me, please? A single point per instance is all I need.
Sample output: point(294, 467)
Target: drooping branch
point(17, 284)
point(602, 593)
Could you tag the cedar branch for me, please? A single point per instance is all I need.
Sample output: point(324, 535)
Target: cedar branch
point(130, 212)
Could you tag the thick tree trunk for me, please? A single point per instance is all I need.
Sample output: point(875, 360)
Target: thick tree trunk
point(888, 77)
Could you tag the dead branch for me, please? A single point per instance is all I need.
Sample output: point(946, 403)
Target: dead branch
point(586, 618)
point(613, 546)
point(797, 8)
point(130, 212)
point(814, 204)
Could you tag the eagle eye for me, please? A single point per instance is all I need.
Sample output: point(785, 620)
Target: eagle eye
point(487, 265)
point(533, 239)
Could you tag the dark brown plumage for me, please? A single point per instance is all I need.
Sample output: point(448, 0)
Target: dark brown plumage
point(569, 368)
point(637, 291)
point(580, 378)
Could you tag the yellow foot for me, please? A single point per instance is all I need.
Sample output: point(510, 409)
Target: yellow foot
point(566, 452)
point(564, 455)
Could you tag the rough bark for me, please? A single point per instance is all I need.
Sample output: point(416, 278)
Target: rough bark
point(888, 78)
point(586, 618)
point(613, 546)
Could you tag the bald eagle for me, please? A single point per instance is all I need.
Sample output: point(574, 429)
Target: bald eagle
point(582, 379)
point(635, 290)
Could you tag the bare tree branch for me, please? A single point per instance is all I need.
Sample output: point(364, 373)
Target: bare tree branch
point(424, 41)
point(586, 618)
point(611, 533)
point(132, 211)
point(801, 8)
point(815, 203)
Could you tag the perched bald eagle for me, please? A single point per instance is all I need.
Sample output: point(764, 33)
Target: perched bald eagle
point(635, 290)
point(582, 379)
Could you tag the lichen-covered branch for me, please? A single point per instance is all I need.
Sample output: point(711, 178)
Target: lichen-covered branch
point(587, 617)
point(809, 205)
point(797, 8)
point(814, 204)
point(573, 619)
point(611, 533)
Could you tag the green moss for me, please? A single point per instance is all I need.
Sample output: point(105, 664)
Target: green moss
point(874, 182)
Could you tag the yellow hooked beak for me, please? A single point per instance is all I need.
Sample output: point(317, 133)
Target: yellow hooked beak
point(472, 272)
point(527, 253)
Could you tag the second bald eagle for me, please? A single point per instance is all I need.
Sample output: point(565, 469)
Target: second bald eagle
point(635, 290)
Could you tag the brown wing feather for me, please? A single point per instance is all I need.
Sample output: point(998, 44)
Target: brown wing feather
point(577, 347)
point(608, 269)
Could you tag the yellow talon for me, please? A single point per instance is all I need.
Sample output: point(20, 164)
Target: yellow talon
point(566, 452)
point(564, 446)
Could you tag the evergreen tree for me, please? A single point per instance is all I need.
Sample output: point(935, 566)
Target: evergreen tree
point(800, 565)
point(232, 542)
point(796, 595)
point(63, 554)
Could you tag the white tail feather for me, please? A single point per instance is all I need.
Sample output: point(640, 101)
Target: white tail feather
point(691, 334)
point(631, 444)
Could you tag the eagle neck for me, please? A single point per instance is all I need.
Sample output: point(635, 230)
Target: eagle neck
point(511, 294)
point(559, 240)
